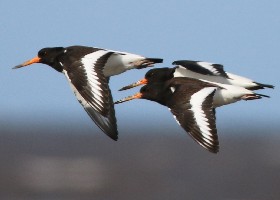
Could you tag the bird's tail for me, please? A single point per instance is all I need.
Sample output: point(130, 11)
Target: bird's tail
point(154, 60)
point(261, 86)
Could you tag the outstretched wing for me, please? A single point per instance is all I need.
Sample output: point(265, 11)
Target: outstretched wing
point(195, 114)
point(204, 68)
point(91, 88)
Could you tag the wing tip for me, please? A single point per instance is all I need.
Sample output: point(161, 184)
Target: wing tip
point(261, 86)
point(114, 137)
point(212, 147)
point(214, 150)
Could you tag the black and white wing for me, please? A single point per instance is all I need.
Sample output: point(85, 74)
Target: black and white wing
point(204, 68)
point(92, 90)
point(196, 115)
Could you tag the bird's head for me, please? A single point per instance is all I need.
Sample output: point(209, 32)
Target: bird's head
point(156, 75)
point(46, 56)
point(152, 92)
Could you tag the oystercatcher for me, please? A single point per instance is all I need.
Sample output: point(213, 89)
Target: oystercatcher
point(193, 103)
point(225, 95)
point(191, 106)
point(205, 71)
point(215, 73)
point(88, 70)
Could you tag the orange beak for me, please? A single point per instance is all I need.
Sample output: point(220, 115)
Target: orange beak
point(141, 82)
point(29, 62)
point(136, 96)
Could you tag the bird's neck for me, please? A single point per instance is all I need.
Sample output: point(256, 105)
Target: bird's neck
point(57, 63)
point(160, 100)
point(57, 66)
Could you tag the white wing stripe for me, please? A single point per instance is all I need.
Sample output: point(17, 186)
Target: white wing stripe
point(96, 91)
point(196, 102)
point(97, 96)
point(89, 62)
point(94, 73)
point(80, 98)
point(208, 66)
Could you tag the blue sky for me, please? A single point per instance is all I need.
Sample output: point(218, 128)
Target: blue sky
point(241, 35)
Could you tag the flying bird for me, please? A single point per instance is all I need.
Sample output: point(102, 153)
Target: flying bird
point(191, 106)
point(192, 103)
point(215, 73)
point(88, 70)
point(227, 93)
point(206, 71)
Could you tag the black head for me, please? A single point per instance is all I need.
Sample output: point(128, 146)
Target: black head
point(155, 92)
point(159, 74)
point(46, 56)
point(49, 55)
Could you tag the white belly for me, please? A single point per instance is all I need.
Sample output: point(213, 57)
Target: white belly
point(118, 64)
point(223, 97)
point(241, 81)
point(229, 94)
